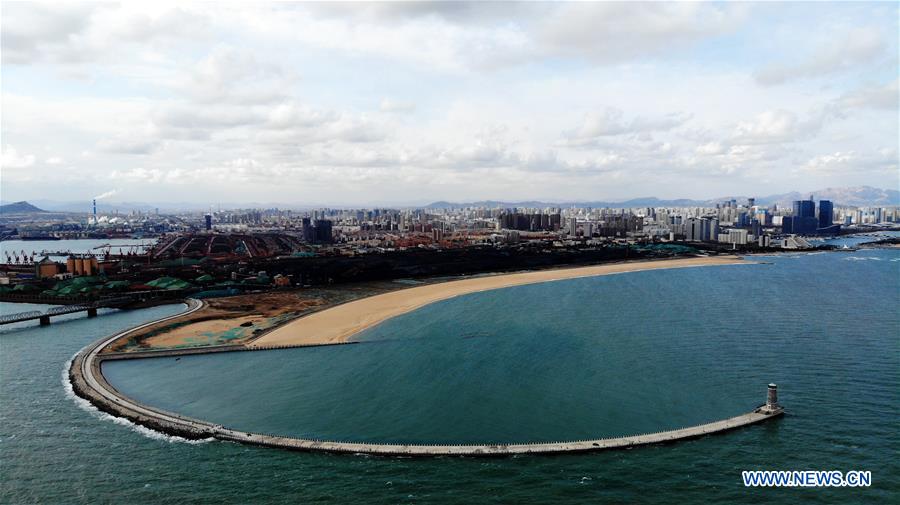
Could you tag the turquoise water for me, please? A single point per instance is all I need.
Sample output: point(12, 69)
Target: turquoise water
point(572, 359)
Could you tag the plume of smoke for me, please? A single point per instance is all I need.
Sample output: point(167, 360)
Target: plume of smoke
point(106, 195)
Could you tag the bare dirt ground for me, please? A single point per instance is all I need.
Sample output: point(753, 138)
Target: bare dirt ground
point(229, 320)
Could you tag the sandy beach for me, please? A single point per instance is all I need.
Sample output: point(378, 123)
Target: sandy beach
point(341, 323)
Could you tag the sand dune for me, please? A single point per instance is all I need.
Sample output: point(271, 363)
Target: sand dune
point(341, 323)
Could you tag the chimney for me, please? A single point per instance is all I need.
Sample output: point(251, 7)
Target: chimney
point(95, 212)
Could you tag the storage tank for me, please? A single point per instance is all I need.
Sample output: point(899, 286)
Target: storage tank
point(88, 266)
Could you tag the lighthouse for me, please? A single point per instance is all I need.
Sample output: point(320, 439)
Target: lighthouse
point(772, 397)
point(771, 406)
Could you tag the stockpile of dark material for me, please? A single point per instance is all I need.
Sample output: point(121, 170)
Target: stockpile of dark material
point(416, 263)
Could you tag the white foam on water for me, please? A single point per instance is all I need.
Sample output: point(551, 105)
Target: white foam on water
point(103, 416)
point(861, 258)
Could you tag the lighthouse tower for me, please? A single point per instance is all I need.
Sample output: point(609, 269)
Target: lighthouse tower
point(772, 397)
point(771, 405)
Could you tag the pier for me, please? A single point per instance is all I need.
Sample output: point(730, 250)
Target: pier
point(88, 382)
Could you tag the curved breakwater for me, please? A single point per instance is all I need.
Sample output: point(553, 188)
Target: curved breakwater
point(88, 382)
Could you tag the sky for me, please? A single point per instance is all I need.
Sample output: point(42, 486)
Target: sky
point(407, 103)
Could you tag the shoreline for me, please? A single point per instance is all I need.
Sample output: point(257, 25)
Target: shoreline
point(87, 380)
point(340, 323)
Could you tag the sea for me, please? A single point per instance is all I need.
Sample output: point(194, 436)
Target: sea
point(565, 360)
point(60, 249)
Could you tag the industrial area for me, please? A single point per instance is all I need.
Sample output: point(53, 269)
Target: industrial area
point(143, 255)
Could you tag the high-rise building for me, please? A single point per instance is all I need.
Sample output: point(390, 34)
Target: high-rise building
point(826, 213)
point(803, 221)
point(309, 234)
point(323, 231)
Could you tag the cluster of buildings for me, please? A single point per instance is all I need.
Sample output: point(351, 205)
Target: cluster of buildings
point(729, 223)
point(357, 231)
point(804, 220)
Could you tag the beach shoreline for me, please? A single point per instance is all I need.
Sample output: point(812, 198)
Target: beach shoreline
point(340, 323)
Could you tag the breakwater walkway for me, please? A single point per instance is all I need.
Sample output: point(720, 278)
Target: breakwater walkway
point(88, 382)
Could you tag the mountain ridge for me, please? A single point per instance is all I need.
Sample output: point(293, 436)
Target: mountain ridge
point(859, 196)
point(855, 196)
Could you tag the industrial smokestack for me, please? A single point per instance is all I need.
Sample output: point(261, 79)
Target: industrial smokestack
point(95, 211)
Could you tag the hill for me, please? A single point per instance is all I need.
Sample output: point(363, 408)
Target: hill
point(19, 208)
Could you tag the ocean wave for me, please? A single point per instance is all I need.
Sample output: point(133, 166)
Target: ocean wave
point(103, 416)
point(861, 258)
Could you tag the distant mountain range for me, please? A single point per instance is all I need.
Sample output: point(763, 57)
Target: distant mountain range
point(859, 196)
point(19, 208)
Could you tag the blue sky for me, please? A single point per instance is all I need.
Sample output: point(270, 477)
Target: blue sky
point(377, 103)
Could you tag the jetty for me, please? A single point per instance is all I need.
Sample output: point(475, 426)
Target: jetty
point(88, 382)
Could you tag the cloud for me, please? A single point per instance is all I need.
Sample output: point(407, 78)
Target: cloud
point(12, 159)
point(610, 122)
point(611, 32)
point(711, 148)
point(883, 160)
point(322, 100)
point(33, 31)
point(388, 105)
point(72, 33)
point(236, 76)
point(123, 144)
point(882, 97)
point(853, 48)
point(780, 126)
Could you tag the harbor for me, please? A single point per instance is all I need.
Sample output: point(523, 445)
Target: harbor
point(88, 381)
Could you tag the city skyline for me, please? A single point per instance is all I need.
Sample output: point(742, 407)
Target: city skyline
point(411, 103)
point(860, 196)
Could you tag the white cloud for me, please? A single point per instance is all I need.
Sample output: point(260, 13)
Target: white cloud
point(389, 105)
point(883, 160)
point(884, 97)
point(124, 144)
point(12, 159)
point(611, 122)
point(779, 126)
point(848, 50)
point(71, 33)
point(711, 148)
point(608, 32)
point(398, 101)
